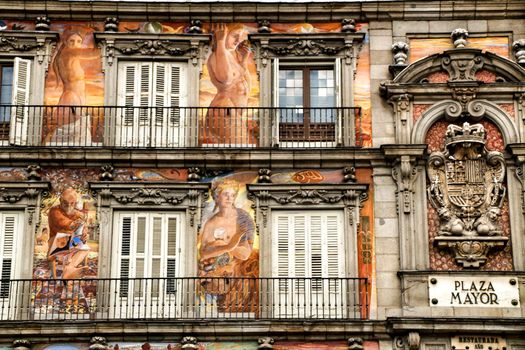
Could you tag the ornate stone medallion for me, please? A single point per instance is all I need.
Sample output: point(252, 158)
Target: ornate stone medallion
point(466, 188)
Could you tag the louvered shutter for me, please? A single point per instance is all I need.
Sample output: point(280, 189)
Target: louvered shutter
point(169, 94)
point(125, 254)
point(308, 248)
point(148, 257)
point(8, 241)
point(20, 101)
point(171, 253)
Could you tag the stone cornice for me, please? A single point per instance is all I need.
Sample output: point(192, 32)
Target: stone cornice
point(250, 12)
point(217, 159)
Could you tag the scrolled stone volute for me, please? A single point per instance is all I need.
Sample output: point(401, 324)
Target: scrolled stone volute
point(21, 344)
point(111, 24)
point(519, 51)
point(42, 23)
point(265, 343)
point(98, 343)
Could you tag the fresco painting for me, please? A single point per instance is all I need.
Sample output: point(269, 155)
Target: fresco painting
point(174, 346)
point(330, 345)
point(422, 47)
point(75, 79)
point(228, 246)
point(66, 246)
point(362, 91)
point(229, 85)
point(61, 346)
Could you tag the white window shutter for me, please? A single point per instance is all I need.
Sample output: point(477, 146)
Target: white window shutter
point(9, 239)
point(124, 255)
point(20, 100)
point(335, 259)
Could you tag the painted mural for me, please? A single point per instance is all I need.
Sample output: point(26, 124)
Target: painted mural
point(228, 246)
point(66, 246)
point(329, 345)
point(423, 47)
point(176, 346)
point(229, 79)
point(75, 80)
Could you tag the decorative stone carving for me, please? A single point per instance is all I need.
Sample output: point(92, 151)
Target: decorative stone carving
point(349, 174)
point(466, 188)
point(34, 172)
point(519, 51)
point(42, 23)
point(462, 68)
point(400, 51)
point(264, 176)
point(195, 27)
point(98, 343)
point(189, 343)
point(265, 343)
point(459, 37)
point(404, 173)
point(355, 344)
point(267, 195)
point(21, 344)
point(111, 24)
point(348, 25)
point(297, 45)
point(154, 48)
point(40, 44)
point(147, 44)
point(8, 43)
point(414, 341)
point(194, 174)
point(108, 173)
point(264, 26)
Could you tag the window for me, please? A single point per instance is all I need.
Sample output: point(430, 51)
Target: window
point(308, 258)
point(307, 98)
point(10, 229)
point(148, 255)
point(155, 90)
point(14, 97)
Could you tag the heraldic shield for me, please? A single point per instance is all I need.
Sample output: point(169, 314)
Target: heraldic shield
point(466, 188)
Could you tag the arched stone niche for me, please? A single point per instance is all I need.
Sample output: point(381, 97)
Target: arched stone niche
point(466, 182)
point(453, 87)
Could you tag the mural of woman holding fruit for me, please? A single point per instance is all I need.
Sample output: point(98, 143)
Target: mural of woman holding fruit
point(226, 250)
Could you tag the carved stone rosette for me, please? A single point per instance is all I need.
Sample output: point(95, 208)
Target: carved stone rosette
point(466, 188)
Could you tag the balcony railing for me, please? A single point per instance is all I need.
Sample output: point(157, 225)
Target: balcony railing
point(176, 127)
point(184, 299)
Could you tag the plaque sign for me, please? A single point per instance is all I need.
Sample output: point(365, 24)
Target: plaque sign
point(478, 342)
point(473, 291)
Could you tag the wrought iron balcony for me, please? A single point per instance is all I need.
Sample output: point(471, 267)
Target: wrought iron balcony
point(176, 127)
point(184, 299)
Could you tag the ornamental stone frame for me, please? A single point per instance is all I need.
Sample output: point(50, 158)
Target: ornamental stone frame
point(25, 196)
point(37, 46)
point(312, 48)
point(462, 98)
point(269, 197)
point(158, 196)
point(148, 47)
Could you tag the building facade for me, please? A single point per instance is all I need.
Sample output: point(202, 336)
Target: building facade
point(262, 175)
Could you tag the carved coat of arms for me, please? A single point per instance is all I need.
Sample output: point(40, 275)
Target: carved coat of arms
point(466, 188)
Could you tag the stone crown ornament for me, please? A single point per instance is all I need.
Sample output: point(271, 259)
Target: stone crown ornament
point(466, 188)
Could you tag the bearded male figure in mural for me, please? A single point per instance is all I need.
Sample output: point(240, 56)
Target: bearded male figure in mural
point(67, 236)
point(67, 66)
point(226, 247)
point(228, 68)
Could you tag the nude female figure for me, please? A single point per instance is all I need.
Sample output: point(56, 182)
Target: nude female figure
point(228, 69)
point(67, 66)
